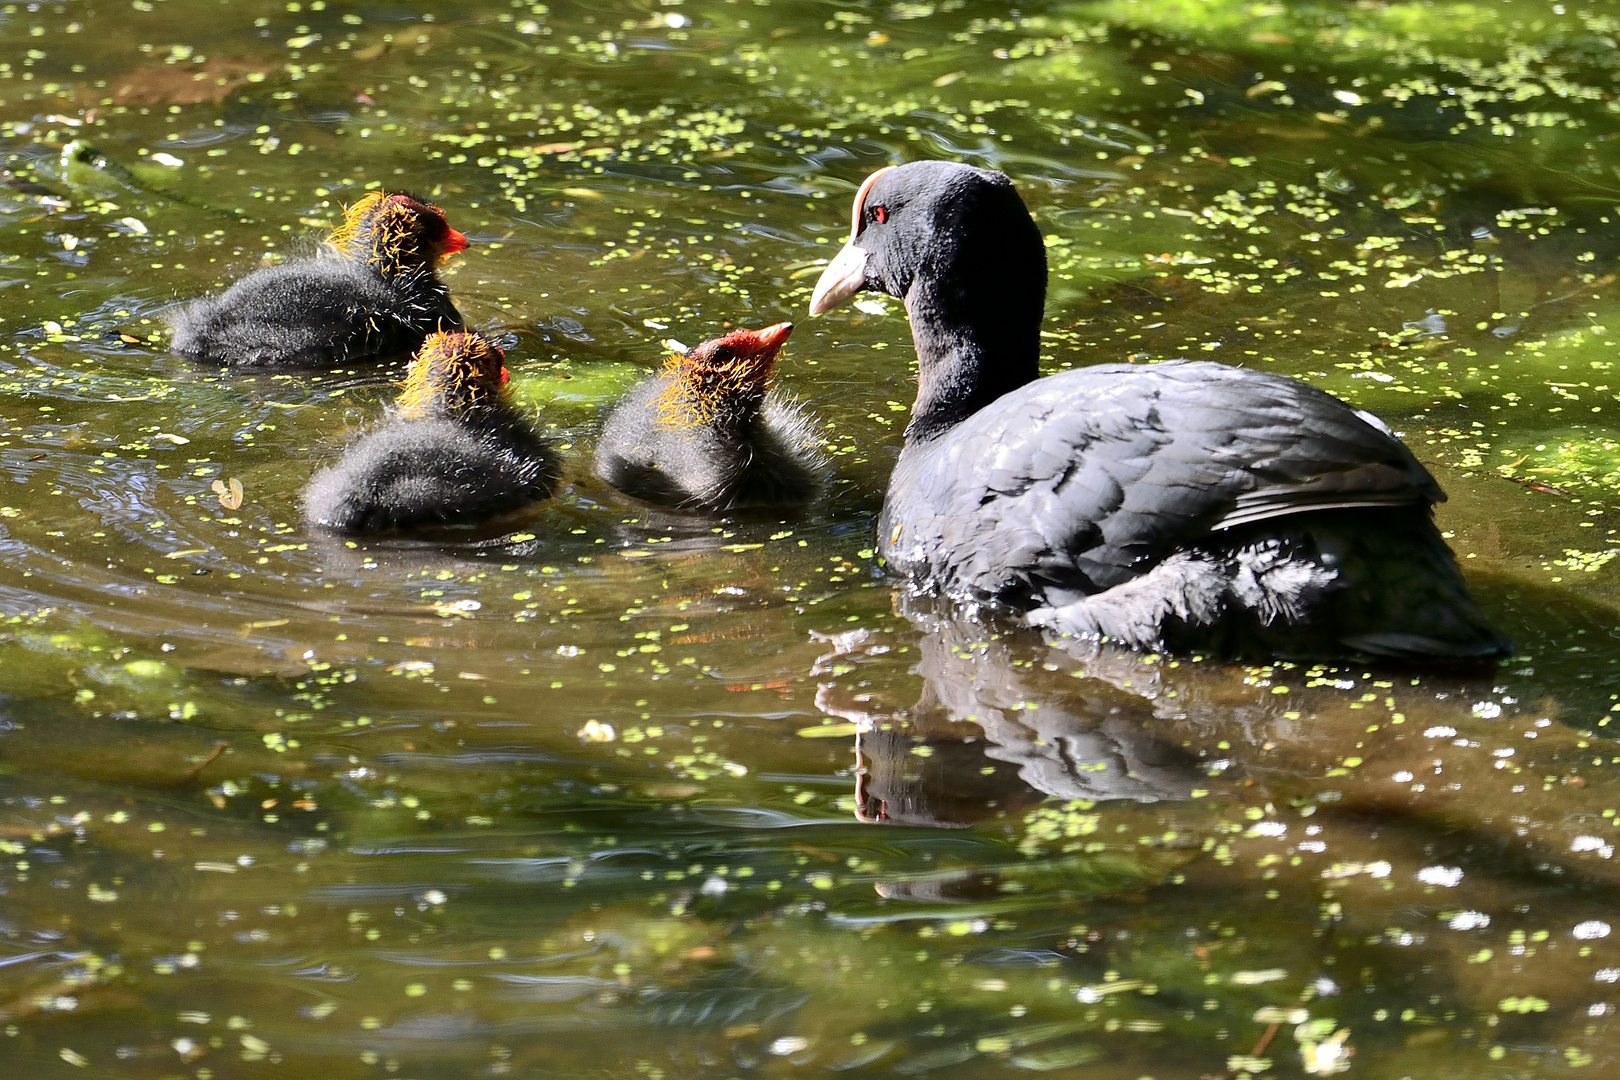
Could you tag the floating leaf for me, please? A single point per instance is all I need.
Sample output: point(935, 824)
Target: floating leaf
point(229, 497)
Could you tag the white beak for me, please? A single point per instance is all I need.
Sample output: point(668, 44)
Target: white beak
point(844, 277)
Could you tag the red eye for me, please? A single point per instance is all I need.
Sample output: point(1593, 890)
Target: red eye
point(880, 214)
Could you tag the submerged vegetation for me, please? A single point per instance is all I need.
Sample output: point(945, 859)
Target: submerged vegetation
point(577, 794)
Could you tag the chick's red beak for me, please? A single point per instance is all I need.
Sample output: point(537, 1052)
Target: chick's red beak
point(772, 338)
point(760, 345)
point(454, 241)
point(506, 376)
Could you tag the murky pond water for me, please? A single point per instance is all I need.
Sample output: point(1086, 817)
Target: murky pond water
point(585, 797)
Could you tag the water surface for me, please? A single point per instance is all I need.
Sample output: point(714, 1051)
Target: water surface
point(609, 792)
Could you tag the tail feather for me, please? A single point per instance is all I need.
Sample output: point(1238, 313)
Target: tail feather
point(1187, 588)
point(1394, 645)
point(1372, 582)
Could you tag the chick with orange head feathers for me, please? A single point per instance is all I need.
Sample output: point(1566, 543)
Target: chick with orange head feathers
point(372, 291)
point(709, 433)
point(454, 450)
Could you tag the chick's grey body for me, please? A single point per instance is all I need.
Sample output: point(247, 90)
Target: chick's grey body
point(433, 470)
point(314, 312)
point(770, 459)
point(1140, 503)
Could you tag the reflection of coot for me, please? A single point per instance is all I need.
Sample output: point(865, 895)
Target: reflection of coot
point(1179, 505)
point(996, 740)
point(373, 292)
point(953, 786)
point(708, 433)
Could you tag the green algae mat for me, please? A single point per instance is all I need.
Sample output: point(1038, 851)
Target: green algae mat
point(600, 791)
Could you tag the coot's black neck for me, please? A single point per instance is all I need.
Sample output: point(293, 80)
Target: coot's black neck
point(967, 356)
point(976, 322)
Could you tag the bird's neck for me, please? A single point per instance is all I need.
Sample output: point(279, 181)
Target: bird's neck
point(467, 404)
point(388, 246)
point(692, 398)
point(973, 345)
point(396, 261)
point(433, 404)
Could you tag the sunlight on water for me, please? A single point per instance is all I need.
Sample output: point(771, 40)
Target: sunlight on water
point(608, 791)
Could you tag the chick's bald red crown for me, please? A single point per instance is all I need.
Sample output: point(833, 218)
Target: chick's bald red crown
point(453, 240)
point(742, 357)
point(745, 344)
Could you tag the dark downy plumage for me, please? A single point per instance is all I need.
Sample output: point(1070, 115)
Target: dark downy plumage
point(371, 292)
point(1178, 505)
point(454, 451)
point(708, 433)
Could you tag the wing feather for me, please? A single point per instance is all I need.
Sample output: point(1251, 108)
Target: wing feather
point(1083, 480)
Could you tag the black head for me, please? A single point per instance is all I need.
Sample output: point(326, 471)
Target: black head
point(958, 246)
point(942, 224)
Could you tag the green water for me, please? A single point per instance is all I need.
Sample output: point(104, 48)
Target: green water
point(578, 799)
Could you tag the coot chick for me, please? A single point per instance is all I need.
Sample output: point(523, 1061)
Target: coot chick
point(1182, 506)
point(371, 292)
point(708, 433)
point(454, 450)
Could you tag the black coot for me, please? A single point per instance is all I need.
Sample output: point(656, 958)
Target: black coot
point(708, 433)
point(1173, 506)
point(371, 292)
point(454, 450)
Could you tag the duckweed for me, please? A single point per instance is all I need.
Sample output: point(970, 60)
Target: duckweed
point(462, 803)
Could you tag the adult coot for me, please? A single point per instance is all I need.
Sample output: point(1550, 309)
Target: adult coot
point(372, 291)
point(1173, 506)
point(454, 450)
point(708, 433)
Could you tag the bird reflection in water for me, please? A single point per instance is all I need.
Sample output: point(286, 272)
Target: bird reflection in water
point(992, 734)
point(1333, 770)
